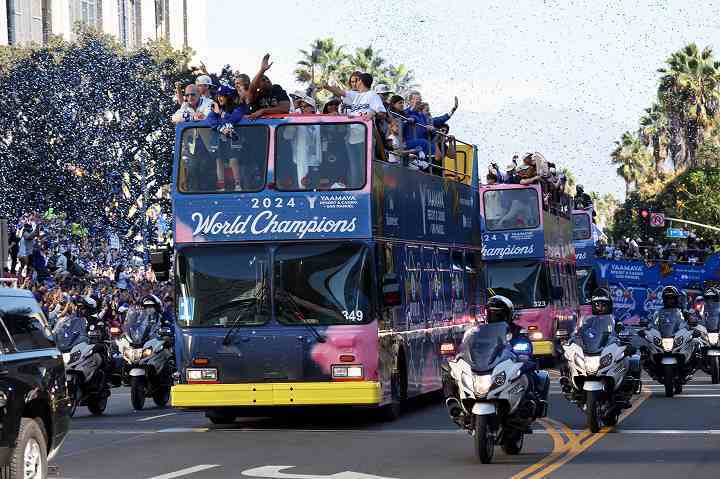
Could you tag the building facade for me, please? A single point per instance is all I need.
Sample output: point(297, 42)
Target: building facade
point(132, 22)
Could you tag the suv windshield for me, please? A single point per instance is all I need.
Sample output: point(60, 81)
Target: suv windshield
point(223, 286)
point(320, 157)
point(511, 209)
point(213, 162)
point(521, 282)
point(322, 284)
point(581, 227)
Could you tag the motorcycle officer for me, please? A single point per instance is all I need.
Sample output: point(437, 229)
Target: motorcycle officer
point(500, 309)
point(672, 302)
point(153, 304)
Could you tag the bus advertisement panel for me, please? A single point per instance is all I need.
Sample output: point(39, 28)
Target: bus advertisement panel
point(585, 254)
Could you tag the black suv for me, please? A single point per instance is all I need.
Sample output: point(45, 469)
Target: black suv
point(34, 404)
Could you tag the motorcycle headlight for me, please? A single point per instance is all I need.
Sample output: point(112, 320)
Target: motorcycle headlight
point(592, 364)
point(147, 352)
point(667, 344)
point(482, 384)
point(606, 360)
point(713, 338)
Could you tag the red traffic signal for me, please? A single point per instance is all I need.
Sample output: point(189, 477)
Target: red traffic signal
point(644, 213)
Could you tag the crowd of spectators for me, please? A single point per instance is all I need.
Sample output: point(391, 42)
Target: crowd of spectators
point(405, 129)
point(60, 262)
point(691, 251)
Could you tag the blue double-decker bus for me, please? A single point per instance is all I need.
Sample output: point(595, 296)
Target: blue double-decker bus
point(585, 256)
point(310, 274)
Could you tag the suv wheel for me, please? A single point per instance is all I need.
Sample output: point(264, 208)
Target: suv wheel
point(29, 458)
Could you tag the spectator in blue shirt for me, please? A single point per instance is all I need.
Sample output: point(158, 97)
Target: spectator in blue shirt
point(416, 135)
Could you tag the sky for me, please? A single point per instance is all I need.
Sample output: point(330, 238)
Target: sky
point(564, 78)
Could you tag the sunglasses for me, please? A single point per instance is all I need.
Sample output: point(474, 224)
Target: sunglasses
point(190, 94)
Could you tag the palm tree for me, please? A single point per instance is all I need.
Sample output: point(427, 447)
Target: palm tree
point(369, 61)
point(633, 160)
point(400, 79)
point(570, 177)
point(654, 133)
point(324, 62)
point(689, 94)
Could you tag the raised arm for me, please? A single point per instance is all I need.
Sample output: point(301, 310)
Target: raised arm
point(255, 83)
point(337, 91)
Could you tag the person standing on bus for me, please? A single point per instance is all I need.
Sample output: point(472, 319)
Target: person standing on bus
point(225, 113)
point(265, 98)
point(194, 108)
point(203, 84)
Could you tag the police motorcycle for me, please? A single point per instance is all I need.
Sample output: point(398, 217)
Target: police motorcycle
point(85, 353)
point(491, 387)
point(147, 347)
point(669, 352)
point(709, 328)
point(602, 370)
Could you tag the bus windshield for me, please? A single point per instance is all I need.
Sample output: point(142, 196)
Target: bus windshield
point(322, 284)
point(581, 227)
point(511, 209)
point(521, 282)
point(222, 287)
point(320, 156)
point(210, 161)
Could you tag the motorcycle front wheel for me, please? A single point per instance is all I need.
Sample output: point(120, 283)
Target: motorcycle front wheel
point(669, 379)
point(97, 405)
point(591, 411)
point(715, 369)
point(484, 439)
point(137, 392)
point(74, 395)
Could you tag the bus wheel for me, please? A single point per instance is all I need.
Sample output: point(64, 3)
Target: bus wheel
point(398, 388)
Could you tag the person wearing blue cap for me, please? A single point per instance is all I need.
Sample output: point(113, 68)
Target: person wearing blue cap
point(225, 113)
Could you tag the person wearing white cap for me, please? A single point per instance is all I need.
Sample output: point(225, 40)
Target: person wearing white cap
point(306, 105)
point(203, 84)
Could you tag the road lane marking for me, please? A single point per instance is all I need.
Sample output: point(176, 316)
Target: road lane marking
point(156, 417)
point(186, 472)
point(184, 429)
point(275, 472)
point(586, 439)
point(697, 395)
point(559, 448)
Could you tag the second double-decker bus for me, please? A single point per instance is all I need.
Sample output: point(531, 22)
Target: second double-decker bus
point(309, 274)
point(585, 255)
point(528, 256)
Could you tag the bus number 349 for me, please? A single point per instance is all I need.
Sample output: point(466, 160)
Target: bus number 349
point(353, 316)
point(272, 203)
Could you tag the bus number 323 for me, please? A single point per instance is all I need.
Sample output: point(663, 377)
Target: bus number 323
point(353, 316)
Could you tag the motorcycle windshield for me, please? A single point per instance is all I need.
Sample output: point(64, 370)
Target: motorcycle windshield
point(485, 344)
point(669, 322)
point(595, 333)
point(712, 317)
point(139, 326)
point(69, 332)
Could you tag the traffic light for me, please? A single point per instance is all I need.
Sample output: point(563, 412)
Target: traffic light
point(644, 213)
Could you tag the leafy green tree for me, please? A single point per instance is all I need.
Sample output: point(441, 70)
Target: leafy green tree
point(654, 133)
point(324, 61)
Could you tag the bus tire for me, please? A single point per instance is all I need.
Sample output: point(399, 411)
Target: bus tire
point(220, 418)
point(398, 388)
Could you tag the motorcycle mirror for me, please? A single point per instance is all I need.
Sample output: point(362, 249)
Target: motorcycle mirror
point(165, 332)
point(619, 327)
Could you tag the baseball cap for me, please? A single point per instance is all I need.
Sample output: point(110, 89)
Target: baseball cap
point(382, 89)
point(203, 80)
point(225, 90)
point(308, 100)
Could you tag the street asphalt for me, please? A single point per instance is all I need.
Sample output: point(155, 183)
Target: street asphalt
point(658, 438)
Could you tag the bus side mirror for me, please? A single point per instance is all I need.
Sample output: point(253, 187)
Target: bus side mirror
point(160, 263)
point(557, 292)
point(390, 290)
